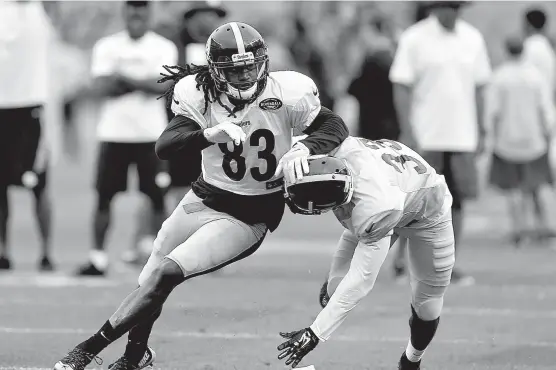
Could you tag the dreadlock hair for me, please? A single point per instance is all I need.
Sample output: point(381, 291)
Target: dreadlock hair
point(204, 81)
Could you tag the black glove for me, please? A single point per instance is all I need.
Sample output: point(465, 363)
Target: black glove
point(298, 345)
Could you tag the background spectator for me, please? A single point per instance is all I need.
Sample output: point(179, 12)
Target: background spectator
point(126, 67)
point(439, 71)
point(26, 36)
point(521, 112)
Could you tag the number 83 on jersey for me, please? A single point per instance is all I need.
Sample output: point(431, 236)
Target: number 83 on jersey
point(234, 162)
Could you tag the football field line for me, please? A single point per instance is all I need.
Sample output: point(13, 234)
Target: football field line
point(274, 337)
point(374, 310)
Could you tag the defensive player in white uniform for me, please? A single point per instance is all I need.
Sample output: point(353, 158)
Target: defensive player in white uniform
point(242, 118)
point(379, 190)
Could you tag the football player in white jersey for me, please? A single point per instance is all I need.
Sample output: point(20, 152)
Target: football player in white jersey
point(378, 190)
point(242, 118)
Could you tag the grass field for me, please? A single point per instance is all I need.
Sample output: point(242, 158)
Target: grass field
point(230, 320)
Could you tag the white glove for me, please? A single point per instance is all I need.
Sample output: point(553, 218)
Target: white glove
point(225, 132)
point(294, 163)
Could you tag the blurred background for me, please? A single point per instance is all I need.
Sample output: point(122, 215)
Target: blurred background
point(347, 48)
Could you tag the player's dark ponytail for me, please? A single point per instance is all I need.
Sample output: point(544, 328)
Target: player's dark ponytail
point(203, 78)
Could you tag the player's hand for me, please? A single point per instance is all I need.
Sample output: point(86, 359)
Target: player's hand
point(298, 345)
point(225, 132)
point(294, 163)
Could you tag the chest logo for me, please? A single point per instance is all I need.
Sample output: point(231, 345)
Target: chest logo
point(270, 104)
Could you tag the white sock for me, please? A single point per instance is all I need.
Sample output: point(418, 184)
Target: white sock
point(413, 354)
point(99, 259)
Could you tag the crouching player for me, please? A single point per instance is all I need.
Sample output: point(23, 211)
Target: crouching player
point(378, 190)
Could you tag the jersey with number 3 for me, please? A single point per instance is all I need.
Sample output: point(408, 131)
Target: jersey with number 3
point(393, 187)
point(287, 106)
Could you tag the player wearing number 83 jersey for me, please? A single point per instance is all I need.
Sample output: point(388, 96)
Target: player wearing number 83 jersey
point(289, 102)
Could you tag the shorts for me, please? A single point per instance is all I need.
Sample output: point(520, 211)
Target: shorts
point(20, 132)
point(113, 163)
point(459, 170)
point(530, 175)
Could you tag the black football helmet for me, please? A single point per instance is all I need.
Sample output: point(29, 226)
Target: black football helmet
point(237, 45)
point(328, 185)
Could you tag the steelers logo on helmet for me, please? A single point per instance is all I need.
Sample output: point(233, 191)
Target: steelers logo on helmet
point(327, 186)
point(237, 57)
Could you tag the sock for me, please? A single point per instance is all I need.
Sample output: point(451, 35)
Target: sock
point(413, 354)
point(422, 333)
point(99, 341)
point(99, 259)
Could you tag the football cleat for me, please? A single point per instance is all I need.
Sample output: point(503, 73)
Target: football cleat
point(123, 363)
point(77, 359)
point(323, 295)
point(405, 364)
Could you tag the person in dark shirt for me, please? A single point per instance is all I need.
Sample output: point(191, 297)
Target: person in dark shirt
point(373, 90)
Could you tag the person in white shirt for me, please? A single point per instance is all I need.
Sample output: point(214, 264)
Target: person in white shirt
point(25, 35)
point(126, 67)
point(439, 71)
point(519, 108)
point(537, 47)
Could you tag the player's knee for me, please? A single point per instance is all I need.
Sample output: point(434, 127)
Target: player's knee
point(166, 276)
point(430, 309)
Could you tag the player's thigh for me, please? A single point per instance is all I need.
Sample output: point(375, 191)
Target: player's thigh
point(217, 243)
point(112, 166)
point(188, 216)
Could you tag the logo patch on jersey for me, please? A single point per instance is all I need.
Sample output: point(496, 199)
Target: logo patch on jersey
point(315, 92)
point(270, 104)
point(243, 124)
point(274, 184)
point(176, 101)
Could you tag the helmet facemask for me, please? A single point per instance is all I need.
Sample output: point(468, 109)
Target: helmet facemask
point(243, 77)
point(320, 191)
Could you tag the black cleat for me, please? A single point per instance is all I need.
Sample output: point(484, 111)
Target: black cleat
point(5, 263)
point(323, 295)
point(405, 364)
point(123, 363)
point(76, 359)
point(89, 270)
point(46, 265)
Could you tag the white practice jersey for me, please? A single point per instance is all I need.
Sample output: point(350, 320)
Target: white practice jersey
point(393, 187)
point(287, 106)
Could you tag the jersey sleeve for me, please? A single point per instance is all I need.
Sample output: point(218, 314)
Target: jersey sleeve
point(103, 60)
point(189, 102)
point(302, 96)
point(358, 282)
